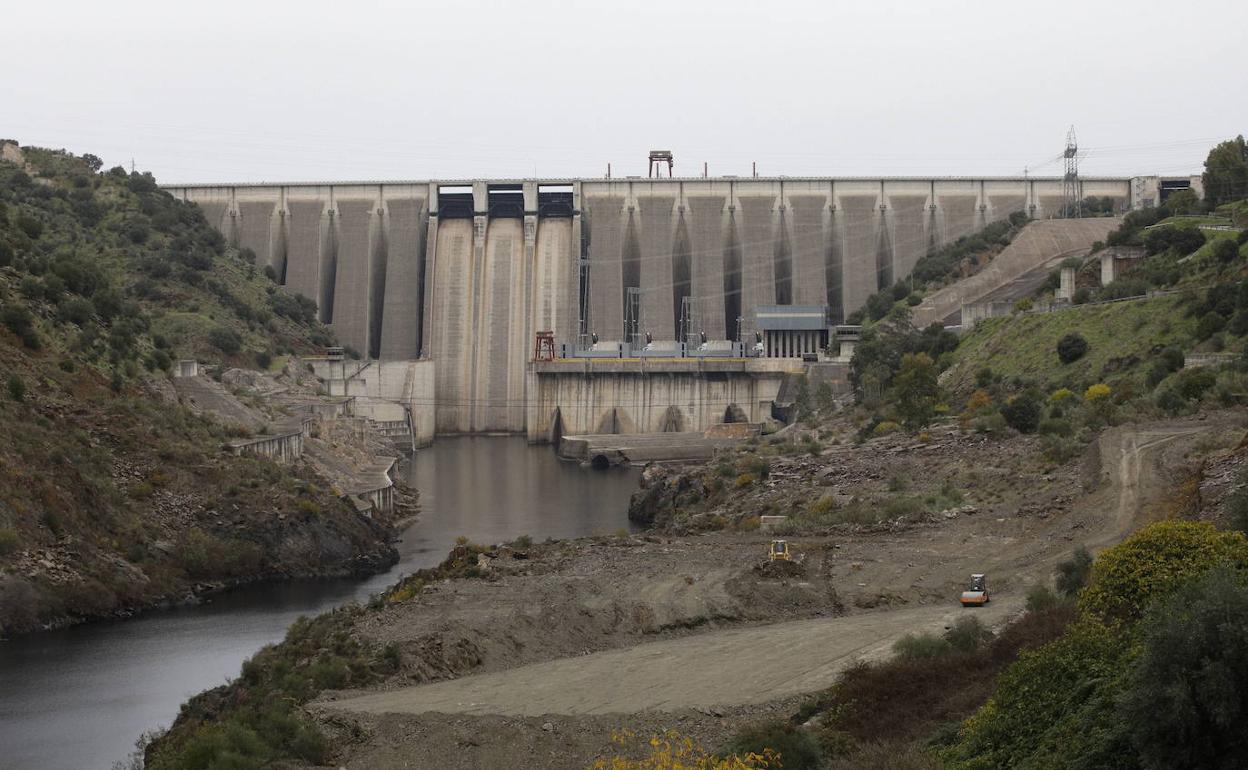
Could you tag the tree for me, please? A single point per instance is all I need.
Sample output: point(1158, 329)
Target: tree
point(93, 162)
point(1183, 201)
point(916, 390)
point(1071, 348)
point(1225, 250)
point(1186, 699)
point(1154, 562)
point(1226, 172)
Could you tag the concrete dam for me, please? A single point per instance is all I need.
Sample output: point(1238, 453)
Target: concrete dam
point(464, 273)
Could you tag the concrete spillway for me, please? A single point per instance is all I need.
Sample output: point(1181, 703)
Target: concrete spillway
point(464, 274)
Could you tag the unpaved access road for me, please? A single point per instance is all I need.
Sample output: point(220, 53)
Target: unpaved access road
point(762, 663)
point(721, 668)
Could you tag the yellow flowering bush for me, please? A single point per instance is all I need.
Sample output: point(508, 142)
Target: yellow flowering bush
point(673, 751)
point(1096, 393)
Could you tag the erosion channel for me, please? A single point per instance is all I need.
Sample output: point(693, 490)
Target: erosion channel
point(80, 697)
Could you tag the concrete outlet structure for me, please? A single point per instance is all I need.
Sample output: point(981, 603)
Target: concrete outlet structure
point(464, 273)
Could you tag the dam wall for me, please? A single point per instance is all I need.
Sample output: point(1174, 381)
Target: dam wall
point(465, 272)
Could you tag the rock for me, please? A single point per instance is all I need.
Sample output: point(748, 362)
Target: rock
point(547, 726)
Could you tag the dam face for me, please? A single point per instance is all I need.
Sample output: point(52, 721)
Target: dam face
point(465, 273)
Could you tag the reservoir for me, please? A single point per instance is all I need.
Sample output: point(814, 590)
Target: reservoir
point(79, 697)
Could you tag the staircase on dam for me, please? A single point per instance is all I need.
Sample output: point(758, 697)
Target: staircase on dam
point(1039, 247)
point(461, 275)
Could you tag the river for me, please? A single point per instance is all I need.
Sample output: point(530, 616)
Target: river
point(79, 697)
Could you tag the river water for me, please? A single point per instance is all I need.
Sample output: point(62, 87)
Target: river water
point(78, 698)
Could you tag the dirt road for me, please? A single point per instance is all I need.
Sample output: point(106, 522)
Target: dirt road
point(721, 668)
point(750, 665)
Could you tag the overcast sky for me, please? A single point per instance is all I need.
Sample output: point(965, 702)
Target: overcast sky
point(305, 90)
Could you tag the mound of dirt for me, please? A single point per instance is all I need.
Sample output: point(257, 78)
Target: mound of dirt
point(780, 569)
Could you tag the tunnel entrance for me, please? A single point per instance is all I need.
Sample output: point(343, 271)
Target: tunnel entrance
point(505, 201)
point(455, 202)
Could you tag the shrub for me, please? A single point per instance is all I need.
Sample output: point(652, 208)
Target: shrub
point(1060, 395)
point(1096, 394)
point(1186, 699)
point(1071, 348)
point(1040, 598)
point(77, 310)
point(1169, 400)
point(1023, 411)
point(991, 423)
point(17, 388)
point(264, 359)
point(1210, 324)
point(1082, 296)
point(1041, 704)
point(1235, 506)
point(744, 480)
point(920, 646)
point(18, 319)
point(1153, 562)
point(885, 427)
point(672, 751)
point(797, 750)
point(32, 227)
point(967, 634)
point(225, 339)
point(759, 466)
point(10, 541)
point(1055, 427)
point(1072, 573)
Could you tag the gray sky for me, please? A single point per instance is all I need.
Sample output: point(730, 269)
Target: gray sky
point(308, 90)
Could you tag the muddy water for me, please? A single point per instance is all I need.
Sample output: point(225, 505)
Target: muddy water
point(79, 698)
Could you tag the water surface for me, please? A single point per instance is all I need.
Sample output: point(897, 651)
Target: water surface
point(78, 698)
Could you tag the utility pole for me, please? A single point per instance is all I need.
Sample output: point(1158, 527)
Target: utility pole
point(1070, 180)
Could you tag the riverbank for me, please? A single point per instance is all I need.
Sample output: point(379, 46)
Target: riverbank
point(139, 671)
point(550, 646)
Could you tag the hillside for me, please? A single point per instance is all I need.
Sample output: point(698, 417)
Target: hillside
point(115, 497)
point(1120, 336)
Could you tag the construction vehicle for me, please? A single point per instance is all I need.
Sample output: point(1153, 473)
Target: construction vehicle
point(779, 551)
point(976, 594)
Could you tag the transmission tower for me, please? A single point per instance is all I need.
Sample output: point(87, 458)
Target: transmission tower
point(1070, 181)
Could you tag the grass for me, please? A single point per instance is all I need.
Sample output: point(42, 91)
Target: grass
point(1025, 346)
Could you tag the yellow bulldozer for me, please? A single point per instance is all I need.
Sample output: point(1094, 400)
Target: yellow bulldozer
point(779, 551)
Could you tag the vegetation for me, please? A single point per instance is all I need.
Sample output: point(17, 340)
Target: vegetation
point(1071, 348)
point(1226, 172)
point(673, 751)
point(949, 263)
point(106, 280)
point(878, 712)
point(256, 719)
point(1129, 684)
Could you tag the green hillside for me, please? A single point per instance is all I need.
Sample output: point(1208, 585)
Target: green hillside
point(114, 497)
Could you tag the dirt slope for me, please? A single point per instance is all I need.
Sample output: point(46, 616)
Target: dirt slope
point(564, 709)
